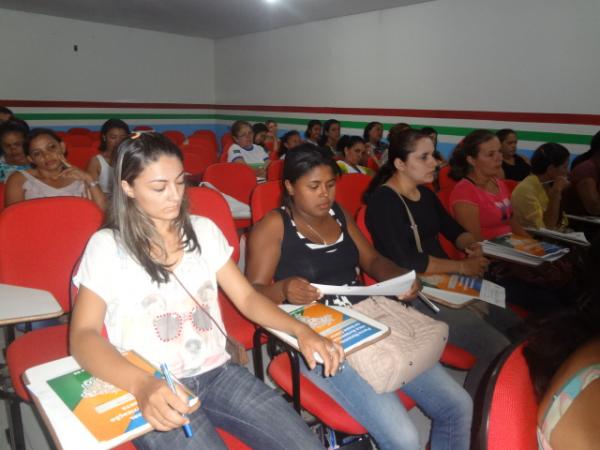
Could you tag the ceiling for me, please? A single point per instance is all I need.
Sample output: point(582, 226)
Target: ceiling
point(210, 19)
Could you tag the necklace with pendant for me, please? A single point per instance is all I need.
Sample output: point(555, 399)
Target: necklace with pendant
point(315, 232)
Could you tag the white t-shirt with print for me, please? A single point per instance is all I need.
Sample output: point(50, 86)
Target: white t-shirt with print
point(255, 158)
point(160, 321)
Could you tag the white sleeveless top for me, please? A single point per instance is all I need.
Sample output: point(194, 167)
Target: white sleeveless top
point(105, 177)
point(35, 188)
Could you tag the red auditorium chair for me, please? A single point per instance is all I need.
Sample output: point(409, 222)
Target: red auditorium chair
point(510, 184)
point(275, 170)
point(205, 149)
point(349, 190)
point(2, 188)
point(207, 136)
point(30, 258)
point(265, 197)
point(237, 180)
point(81, 156)
point(209, 203)
point(78, 140)
point(195, 163)
point(510, 407)
point(226, 142)
point(78, 130)
point(175, 136)
point(444, 180)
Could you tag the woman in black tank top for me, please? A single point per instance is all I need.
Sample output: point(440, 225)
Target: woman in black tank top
point(312, 240)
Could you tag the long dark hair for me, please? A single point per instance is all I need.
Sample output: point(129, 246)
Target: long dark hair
point(133, 228)
point(326, 127)
point(283, 148)
point(111, 124)
point(302, 160)
point(402, 144)
point(594, 150)
point(469, 146)
point(546, 155)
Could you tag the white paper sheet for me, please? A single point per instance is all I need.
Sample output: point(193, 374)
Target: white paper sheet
point(393, 286)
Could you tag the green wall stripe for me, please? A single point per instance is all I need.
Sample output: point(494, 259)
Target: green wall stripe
point(537, 136)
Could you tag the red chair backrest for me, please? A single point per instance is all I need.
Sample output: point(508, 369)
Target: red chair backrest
point(195, 163)
point(2, 187)
point(226, 141)
point(78, 130)
point(81, 156)
point(510, 184)
point(235, 179)
point(275, 170)
point(349, 190)
point(372, 164)
point(362, 226)
point(206, 151)
point(204, 138)
point(510, 408)
point(42, 239)
point(78, 140)
point(444, 179)
point(265, 197)
point(175, 136)
point(210, 203)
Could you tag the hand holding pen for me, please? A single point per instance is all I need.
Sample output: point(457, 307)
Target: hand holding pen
point(162, 408)
point(165, 371)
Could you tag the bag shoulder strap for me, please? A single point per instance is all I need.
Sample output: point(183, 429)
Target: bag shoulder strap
point(413, 225)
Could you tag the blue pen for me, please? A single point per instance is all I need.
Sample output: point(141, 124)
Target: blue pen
point(165, 370)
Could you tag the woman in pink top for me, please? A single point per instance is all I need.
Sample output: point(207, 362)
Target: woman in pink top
point(480, 201)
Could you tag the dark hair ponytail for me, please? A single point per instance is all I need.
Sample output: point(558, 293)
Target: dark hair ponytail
point(402, 144)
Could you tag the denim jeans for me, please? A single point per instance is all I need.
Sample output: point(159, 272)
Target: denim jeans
point(234, 400)
point(440, 398)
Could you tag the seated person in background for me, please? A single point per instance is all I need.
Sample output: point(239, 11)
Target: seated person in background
point(582, 197)
point(289, 141)
point(396, 190)
point(313, 132)
point(563, 355)
point(537, 199)
point(244, 151)
point(51, 175)
point(112, 133)
point(260, 131)
point(480, 201)
point(515, 167)
point(272, 136)
point(155, 292)
point(594, 144)
point(331, 136)
point(12, 138)
point(6, 115)
point(352, 149)
point(432, 133)
point(312, 240)
point(372, 135)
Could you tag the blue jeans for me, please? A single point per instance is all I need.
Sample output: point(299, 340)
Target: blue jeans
point(234, 400)
point(443, 400)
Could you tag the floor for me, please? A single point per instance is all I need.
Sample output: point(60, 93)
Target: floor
point(36, 439)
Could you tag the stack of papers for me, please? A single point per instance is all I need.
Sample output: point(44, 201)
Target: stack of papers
point(523, 250)
point(456, 290)
point(590, 219)
point(571, 237)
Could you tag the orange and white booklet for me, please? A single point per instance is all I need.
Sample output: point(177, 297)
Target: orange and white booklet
point(456, 290)
point(83, 411)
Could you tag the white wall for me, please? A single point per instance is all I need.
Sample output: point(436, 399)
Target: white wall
point(112, 64)
point(508, 55)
